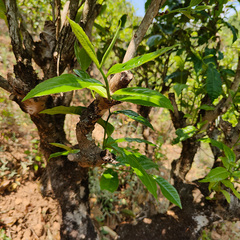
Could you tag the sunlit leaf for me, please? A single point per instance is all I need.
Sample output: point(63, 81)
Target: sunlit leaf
point(184, 133)
point(179, 62)
point(63, 110)
point(229, 154)
point(138, 140)
point(65, 153)
point(138, 61)
point(179, 87)
point(142, 96)
point(109, 180)
point(213, 142)
point(60, 145)
point(84, 41)
point(82, 57)
point(144, 161)
point(216, 174)
point(234, 31)
point(236, 174)
point(65, 83)
point(106, 54)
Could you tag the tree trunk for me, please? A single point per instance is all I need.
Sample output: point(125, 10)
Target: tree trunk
point(65, 181)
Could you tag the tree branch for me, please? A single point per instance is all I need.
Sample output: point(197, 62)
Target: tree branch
point(14, 31)
point(224, 104)
point(100, 105)
point(5, 85)
point(151, 13)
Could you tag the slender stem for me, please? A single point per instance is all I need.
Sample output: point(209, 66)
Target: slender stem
point(106, 82)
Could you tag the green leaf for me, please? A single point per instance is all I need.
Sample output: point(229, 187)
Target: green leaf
point(178, 87)
point(179, 62)
point(106, 54)
point(84, 41)
point(194, 3)
point(225, 162)
point(207, 107)
point(60, 145)
point(128, 212)
point(216, 174)
point(138, 140)
point(213, 186)
point(109, 180)
point(3, 11)
point(214, 82)
point(236, 174)
point(226, 195)
point(2, 6)
point(184, 133)
point(142, 96)
point(82, 57)
point(78, 110)
point(234, 31)
point(109, 128)
point(65, 153)
point(229, 154)
point(178, 77)
point(213, 142)
point(137, 61)
point(154, 40)
point(146, 179)
point(135, 116)
point(201, 8)
point(144, 161)
point(65, 83)
point(187, 13)
point(230, 185)
point(168, 191)
point(63, 110)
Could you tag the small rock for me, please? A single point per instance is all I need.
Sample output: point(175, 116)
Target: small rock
point(18, 201)
point(215, 235)
point(27, 234)
point(38, 228)
point(56, 226)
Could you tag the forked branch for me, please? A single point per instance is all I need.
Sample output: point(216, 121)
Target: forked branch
point(100, 105)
